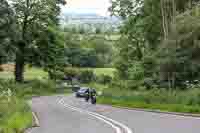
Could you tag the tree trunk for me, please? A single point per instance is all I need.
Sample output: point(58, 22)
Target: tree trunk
point(19, 63)
point(51, 75)
point(20, 60)
point(1, 63)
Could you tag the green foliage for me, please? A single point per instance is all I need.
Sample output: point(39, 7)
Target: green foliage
point(86, 76)
point(159, 42)
point(29, 89)
point(88, 51)
point(49, 52)
point(15, 115)
point(32, 18)
point(71, 72)
point(105, 71)
point(179, 54)
point(104, 79)
point(162, 99)
point(7, 31)
point(98, 30)
point(31, 73)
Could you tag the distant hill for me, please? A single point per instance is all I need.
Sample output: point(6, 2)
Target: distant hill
point(88, 18)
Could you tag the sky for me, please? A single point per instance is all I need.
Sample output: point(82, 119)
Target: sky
point(87, 6)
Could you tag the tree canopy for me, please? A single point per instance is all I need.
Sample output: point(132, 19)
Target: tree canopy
point(159, 39)
point(33, 18)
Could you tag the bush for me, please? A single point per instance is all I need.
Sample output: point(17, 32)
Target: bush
point(86, 76)
point(163, 99)
point(31, 88)
point(15, 115)
point(71, 72)
point(58, 75)
point(149, 83)
point(104, 79)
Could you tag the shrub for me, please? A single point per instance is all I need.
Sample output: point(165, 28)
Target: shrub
point(104, 79)
point(16, 115)
point(31, 88)
point(71, 72)
point(86, 76)
point(149, 83)
point(58, 75)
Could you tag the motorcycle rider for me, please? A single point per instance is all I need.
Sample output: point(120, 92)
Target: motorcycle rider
point(87, 96)
point(93, 94)
point(90, 94)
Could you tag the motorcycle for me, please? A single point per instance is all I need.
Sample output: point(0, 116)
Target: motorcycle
point(94, 99)
point(87, 97)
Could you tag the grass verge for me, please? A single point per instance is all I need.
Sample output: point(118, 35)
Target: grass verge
point(180, 101)
point(16, 115)
point(158, 107)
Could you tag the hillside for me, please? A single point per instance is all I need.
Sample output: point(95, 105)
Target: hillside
point(89, 18)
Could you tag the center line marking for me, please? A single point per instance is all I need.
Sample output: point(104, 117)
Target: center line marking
point(114, 124)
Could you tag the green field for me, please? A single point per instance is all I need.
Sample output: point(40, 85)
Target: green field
point(30, 74)
point(104, 71)
point(38, 73)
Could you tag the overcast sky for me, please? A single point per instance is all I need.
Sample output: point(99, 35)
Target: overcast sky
point(87, 6)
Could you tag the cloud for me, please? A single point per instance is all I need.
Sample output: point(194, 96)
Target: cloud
point(87, 6)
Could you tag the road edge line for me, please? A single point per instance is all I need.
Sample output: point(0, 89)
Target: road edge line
point(36, 122)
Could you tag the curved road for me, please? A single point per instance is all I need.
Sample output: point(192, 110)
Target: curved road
point(66, 114)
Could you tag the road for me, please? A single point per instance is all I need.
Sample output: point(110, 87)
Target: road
point(66, 114)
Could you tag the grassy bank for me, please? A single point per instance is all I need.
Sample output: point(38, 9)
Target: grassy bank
point(15, 116)
point(156, 99)
point(153, 106)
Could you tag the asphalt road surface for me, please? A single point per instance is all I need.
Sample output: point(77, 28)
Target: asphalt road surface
point(67, 114)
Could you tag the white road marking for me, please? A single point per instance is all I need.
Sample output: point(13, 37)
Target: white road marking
point(117, 129)
point(107, 120)
point(37, 123)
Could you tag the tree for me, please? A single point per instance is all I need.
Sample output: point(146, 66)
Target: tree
point(141, 32)
point(6, 30)
point(32, 18)
point(153, 39)
point(103, 50)
point(49, 51)
point(98, 30)
point(179, 54)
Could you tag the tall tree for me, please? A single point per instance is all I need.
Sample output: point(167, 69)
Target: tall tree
point(49, 53)
point(33, 17)
point(147, 27)
point(6, 29)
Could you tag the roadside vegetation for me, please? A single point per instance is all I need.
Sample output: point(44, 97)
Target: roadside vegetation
point(15, 113)
point(16, 116)
point(25, 25)
point(157, 63)
point(151, 61)
point(154, 99)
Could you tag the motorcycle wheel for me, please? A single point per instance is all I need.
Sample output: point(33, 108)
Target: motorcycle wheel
point(87, 99)
point(93, 101)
